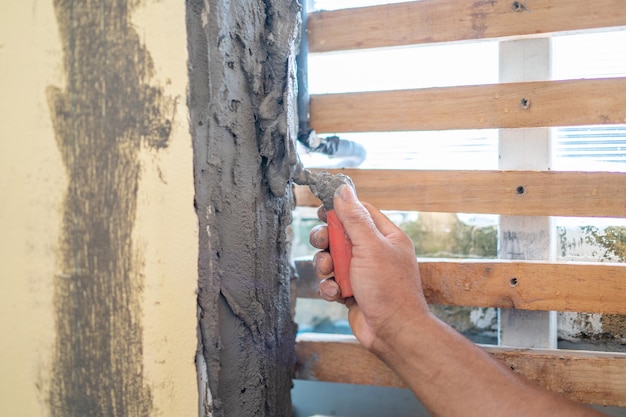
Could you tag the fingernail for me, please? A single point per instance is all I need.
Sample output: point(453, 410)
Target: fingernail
point(345, 192)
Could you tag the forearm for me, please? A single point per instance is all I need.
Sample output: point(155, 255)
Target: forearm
point(453, 377)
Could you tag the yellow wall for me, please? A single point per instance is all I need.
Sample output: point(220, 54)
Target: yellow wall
point(32, 187)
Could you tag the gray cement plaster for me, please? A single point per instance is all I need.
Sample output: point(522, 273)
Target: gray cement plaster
point(242, 115)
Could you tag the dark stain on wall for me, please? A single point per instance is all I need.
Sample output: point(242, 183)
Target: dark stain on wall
point(102, 118)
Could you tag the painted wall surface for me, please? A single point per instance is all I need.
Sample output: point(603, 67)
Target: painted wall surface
point(98, 234)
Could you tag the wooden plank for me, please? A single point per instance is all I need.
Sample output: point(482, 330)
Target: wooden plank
point(527, 193)
point(504, 105)
point(431, 21)
point(358, 365)
point(598, 288)
point(588, 377)
point(536, 286)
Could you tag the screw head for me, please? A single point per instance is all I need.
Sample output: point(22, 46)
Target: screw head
point(524, 103)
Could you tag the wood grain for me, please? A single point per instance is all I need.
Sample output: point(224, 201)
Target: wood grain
point(527, 193)
point(431, 21)
point(588, 377)
point(505, 105)
point(578, 287)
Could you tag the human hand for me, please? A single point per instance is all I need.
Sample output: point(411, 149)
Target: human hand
point(383, 271)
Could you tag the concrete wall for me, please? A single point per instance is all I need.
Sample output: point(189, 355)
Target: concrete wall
point(37, 184)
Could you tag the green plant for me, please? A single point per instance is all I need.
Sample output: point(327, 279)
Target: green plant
point(611, 240)
point(444, 235)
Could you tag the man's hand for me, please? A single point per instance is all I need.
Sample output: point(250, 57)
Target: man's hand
point(383, 272)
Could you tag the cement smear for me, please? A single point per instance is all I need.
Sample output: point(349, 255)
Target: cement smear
point(242, 114)
point(101, 118)
point(322, 184)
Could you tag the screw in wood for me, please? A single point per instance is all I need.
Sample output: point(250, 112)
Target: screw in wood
point(524, 103)
point(518, 6)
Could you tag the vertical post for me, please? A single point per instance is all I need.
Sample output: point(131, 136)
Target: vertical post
point(242, 114)
point(302, 70)
point(525, 237)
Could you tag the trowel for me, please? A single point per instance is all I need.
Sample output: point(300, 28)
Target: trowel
point(323, 185)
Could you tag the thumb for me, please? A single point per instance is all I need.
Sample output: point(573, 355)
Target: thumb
point(354, 217)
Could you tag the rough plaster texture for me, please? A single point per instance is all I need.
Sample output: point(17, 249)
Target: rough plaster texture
point(242, 112)
point(107, 326)
point(322, 184)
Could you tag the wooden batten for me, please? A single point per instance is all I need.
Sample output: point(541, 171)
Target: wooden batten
point(527, 193)
point(505, 105)
point(588, 377)
point(432, 21)
point(590, 288)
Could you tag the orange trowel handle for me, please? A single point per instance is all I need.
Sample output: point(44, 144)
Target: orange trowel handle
point(341, 251)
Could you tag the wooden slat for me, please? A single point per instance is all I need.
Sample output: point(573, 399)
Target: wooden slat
point(527, 193)
point(430, 21)
point(358, 366)
point(589, 288)
point(588, 377)
point(505, 105)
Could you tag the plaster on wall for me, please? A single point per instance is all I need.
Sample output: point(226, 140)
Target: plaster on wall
point(242, 108)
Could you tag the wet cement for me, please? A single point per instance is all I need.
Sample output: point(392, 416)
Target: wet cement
point(322, 184)
point(105, 114)
point(242, 113)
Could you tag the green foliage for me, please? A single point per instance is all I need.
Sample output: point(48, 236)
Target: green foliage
point(444, 235)
point(611, 240)
point(481, 242)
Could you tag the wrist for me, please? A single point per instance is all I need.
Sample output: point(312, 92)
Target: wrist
point(403, 335)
